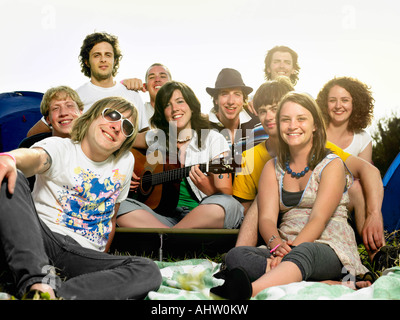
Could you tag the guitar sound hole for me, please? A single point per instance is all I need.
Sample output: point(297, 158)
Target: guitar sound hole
point(145, 183)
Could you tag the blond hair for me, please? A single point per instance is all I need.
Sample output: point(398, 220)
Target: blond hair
point(82, 124)
point(59, 93)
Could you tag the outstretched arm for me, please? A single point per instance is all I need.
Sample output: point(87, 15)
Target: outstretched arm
point(29, 161)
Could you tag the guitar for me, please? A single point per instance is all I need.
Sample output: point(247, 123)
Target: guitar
point(160, 182)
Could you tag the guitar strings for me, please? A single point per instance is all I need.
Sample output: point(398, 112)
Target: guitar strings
point(173, 174)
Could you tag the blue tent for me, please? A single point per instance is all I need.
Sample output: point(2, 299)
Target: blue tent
point(391, 198)
point(19, 111)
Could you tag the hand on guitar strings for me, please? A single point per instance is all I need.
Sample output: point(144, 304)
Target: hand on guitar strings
point(201, 180)
point(135, 182)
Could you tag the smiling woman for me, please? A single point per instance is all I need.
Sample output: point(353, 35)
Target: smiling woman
point(201, 199)
point(302, 218)
point(348, 108)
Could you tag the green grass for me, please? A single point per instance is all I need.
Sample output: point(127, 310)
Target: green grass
point(392, 239)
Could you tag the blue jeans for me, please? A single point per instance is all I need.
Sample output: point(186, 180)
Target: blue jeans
point(31, 250)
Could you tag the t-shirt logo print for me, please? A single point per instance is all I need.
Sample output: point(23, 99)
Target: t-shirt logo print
point(88, 207)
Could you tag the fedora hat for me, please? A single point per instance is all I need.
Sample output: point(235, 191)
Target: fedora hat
point(229, 78)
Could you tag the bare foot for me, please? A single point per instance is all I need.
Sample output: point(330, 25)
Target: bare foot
point(42, 287)
point(350, 284)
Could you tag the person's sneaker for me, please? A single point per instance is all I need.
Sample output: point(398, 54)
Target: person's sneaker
point(237, 286)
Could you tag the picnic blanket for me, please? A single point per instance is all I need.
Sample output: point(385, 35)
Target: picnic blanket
point(192, 280)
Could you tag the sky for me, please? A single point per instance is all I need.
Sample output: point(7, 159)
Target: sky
point(196, 39)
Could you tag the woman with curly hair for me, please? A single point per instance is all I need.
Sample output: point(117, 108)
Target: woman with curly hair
point(347, 105)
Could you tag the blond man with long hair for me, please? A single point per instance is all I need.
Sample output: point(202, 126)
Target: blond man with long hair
point(68, 222)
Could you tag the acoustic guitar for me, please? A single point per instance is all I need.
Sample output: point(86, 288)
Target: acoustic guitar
point(160, 180)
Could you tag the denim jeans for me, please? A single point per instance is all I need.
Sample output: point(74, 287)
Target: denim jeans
point(31, 251)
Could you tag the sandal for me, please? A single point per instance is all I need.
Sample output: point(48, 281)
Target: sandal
point(386, 257)
point(368, 276)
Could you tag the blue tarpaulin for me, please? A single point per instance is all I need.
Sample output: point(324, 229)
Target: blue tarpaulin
point(391, 198)
point(19, 111)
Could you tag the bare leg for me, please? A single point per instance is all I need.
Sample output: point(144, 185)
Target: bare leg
point(248, 232)
point(360, 284)
point(286, 272)
point(139, 219)
point(208, 216)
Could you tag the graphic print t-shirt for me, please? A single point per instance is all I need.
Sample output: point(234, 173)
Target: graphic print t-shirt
point(76, 196)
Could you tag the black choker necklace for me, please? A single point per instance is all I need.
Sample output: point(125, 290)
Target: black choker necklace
point(295, 174)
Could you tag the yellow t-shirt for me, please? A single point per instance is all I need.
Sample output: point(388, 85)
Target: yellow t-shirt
point(338, 151)
point(245, 185)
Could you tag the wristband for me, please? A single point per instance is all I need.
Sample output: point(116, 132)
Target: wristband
point(274, 249)
point(9, 155)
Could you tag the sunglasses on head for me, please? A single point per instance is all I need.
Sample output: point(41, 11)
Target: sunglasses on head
point(112, 115)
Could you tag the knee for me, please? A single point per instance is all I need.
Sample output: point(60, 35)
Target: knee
point(234, 258)
point(251, 259)
point(144, 276)
point(153, 274)
point(303, 257)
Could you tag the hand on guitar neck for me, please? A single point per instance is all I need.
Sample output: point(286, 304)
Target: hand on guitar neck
point(157, 185)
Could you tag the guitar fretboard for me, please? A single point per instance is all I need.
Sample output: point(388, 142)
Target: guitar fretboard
point(171, 175)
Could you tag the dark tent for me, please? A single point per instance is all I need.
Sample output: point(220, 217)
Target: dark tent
point(19, 111)
point(391, 198)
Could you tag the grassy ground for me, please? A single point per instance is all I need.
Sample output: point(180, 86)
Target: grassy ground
point(392, 240)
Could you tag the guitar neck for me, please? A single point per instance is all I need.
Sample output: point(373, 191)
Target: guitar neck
point(174, 174)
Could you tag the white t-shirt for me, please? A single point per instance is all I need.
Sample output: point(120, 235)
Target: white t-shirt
point(77, 196)
point(149, 111)
point(90, 93)
point(212, 146)
point(359, 143)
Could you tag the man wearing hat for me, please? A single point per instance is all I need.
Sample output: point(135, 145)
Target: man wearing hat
point(229, 116)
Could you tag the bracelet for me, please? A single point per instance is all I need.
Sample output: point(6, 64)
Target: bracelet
point(9, 155)
point(274, 249)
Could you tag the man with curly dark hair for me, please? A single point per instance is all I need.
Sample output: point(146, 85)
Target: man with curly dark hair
point(282, 61)
point(92, 40)
point(99, 57)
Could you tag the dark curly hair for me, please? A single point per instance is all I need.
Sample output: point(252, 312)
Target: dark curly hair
point(363, 102)
point(90, 41)
point(268, 59)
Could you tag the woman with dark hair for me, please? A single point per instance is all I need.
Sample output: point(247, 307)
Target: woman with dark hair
point(348, 106)
point(305, 189)
point(182, 133)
